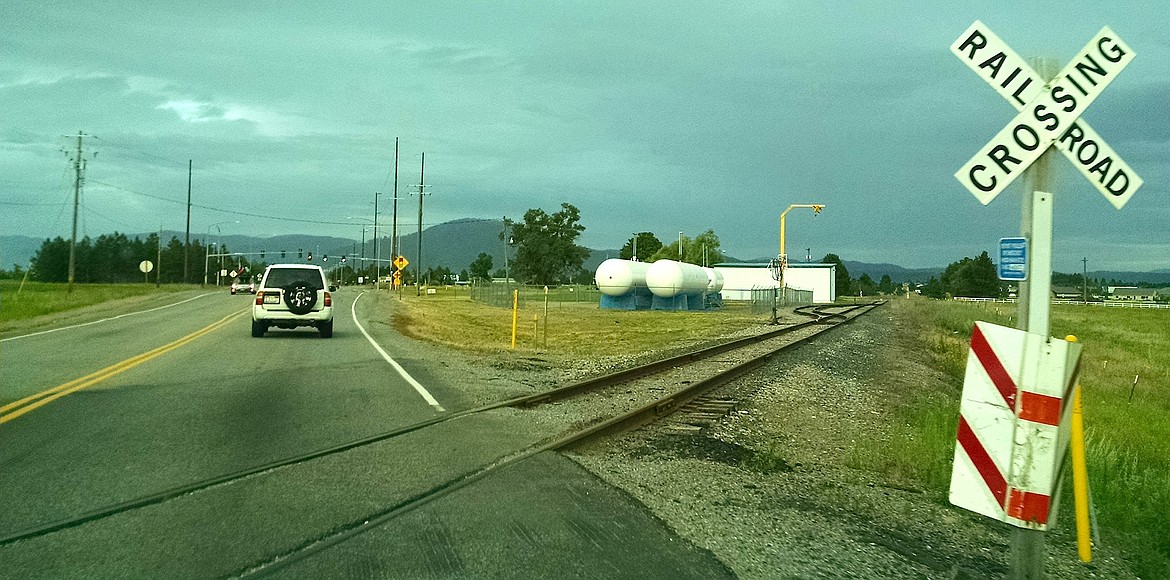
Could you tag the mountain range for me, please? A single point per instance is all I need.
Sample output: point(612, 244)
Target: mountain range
point(455, 244)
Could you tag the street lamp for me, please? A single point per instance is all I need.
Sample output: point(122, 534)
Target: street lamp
point(373, 222)
point(219, 233)
point(816, 210)
point(784, 257)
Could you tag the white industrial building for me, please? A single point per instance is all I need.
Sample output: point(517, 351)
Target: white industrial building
point(740, 278)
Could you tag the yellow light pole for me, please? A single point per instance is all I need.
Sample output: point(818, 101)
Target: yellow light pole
point(816, 209)
point(1080, 474)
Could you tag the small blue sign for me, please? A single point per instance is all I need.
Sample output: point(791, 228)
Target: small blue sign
point(1013, 259)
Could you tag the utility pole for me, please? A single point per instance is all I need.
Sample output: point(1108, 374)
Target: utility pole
point(421, 193)
point(78, 164)
point(158, 265)
point(394, 249)
point(1085, 278)
point(377, 264)
point(506, 243)
point(187, 240)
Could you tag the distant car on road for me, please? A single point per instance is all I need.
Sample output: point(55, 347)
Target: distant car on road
point(240, 285)
point(292, 295)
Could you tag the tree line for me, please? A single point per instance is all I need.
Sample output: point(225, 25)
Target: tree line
point(543, 249)
point(114, 258)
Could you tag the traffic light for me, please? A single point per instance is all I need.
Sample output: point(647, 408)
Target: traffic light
point(325, 258)
point(343, 259)
point(310, 257)
point(261, 255)
point(300, 253)
point(282, 254)
point(817, 209)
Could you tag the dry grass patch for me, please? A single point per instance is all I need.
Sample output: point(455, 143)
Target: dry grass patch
point(575, 329)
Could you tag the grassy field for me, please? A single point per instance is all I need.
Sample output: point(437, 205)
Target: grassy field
point(39, 298)
point(1128, 427)
point(1128, 440)
point(575, 328)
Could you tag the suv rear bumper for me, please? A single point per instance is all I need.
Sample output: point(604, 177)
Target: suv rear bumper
point(286, 319)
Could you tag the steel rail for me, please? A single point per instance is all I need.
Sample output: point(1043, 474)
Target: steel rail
point(627, 421)
point(555, 394)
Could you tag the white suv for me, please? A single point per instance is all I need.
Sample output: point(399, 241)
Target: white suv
point(292, 295)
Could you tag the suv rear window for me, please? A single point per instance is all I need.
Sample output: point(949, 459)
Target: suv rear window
point(281, 277)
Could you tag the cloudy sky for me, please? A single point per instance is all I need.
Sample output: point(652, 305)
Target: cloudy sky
point(660, 116)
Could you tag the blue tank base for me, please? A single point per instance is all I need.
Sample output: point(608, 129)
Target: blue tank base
point(628, 301)
point(714, 300)
point(680, 302)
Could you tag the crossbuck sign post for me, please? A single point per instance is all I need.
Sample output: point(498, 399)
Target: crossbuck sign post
point(1048, 116)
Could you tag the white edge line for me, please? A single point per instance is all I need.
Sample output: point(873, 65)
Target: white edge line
point(104, 319)
point(401, 371)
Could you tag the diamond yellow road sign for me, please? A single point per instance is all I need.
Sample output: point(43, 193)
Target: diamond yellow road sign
point(1049, 114)
point(400, 263)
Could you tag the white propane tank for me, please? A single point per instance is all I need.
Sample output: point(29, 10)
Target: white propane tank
point(616, 277)
point(714, 281)
point(668, 278)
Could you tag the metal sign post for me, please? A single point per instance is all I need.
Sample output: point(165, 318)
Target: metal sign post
point(1049, 109)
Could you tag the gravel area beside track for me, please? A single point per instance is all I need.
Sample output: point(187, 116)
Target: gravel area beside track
point(768, 489)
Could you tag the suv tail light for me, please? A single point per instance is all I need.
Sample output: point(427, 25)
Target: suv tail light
point(328, 299)
point(259, 299)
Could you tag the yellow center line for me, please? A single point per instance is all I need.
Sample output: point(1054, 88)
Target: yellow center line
point(17, 408)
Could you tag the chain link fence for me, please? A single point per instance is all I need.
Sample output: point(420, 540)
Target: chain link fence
point(500, 294)
point(765, 297)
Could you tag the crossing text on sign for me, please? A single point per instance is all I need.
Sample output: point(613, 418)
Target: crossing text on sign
point(997, 64)
point(1050, 117)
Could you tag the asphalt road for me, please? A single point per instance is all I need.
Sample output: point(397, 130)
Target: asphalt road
point(184, 393)
point(217, 404)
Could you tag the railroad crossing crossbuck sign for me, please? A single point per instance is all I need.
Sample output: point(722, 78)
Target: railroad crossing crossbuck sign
point(1049, 114)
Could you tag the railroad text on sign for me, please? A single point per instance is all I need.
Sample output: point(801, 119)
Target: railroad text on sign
point(1013, 78)
point(1050, 117)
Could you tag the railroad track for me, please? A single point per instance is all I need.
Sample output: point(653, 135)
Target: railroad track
point(694, 394)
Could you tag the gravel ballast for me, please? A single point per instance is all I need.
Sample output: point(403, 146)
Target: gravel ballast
point(769, 488)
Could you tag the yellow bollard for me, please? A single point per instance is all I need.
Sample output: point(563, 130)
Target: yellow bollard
point(1080, 474)
point(515, 313)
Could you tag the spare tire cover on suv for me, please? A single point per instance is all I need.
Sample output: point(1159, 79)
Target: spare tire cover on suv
point(300, 297)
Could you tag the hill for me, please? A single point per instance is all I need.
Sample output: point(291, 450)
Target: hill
point(18, 250)
point(457, 243)
point(895, 272)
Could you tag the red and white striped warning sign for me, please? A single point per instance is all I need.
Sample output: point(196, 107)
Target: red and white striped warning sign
point(1013, 424)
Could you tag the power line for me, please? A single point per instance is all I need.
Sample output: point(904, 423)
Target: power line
point(28, 203)
point(221, 210)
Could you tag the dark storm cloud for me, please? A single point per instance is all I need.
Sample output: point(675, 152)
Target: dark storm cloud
point(648, 116)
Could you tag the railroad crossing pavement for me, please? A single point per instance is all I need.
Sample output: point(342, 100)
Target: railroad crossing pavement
point(543, 518)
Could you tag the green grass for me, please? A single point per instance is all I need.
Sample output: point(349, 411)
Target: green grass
point(1128, 441)
point(40, 298)
point(575, 328)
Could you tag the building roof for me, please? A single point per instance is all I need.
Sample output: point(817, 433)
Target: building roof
point(767, 265)
point(1134, 292)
